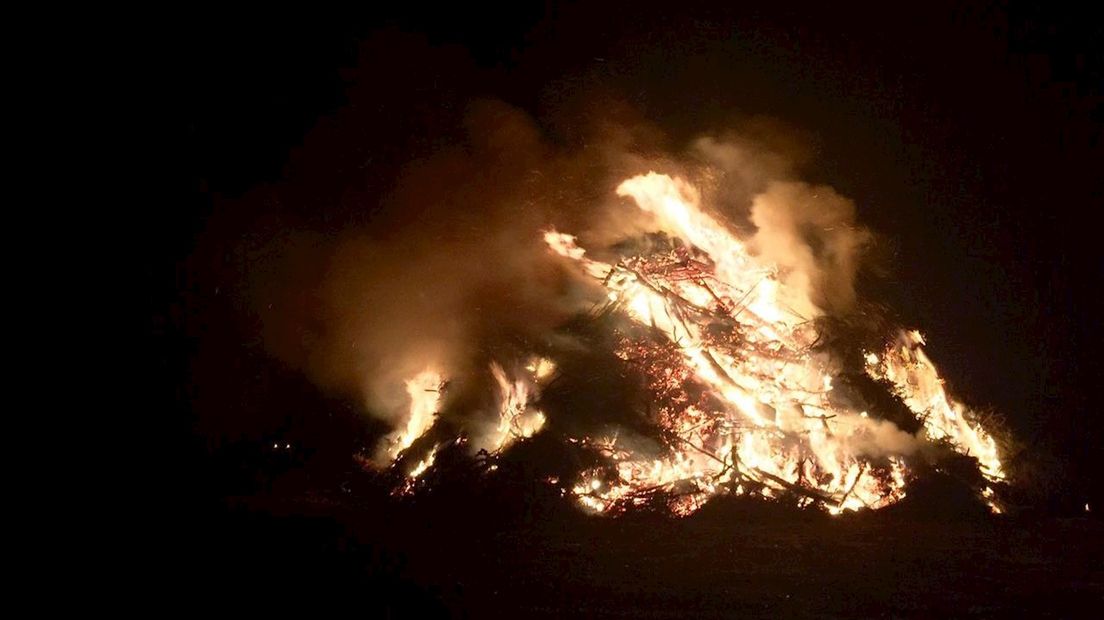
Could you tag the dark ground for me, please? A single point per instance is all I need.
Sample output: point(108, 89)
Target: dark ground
point(729, 560)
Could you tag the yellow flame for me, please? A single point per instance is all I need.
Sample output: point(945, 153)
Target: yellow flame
point(777, 431)
point(781, 430)
point(424, 464)
point(916, 381)
point(516, 419)
point(424, 390)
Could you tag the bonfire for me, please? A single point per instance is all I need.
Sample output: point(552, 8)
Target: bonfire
point(741, 384)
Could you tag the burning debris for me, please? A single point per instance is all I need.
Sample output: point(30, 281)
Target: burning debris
point(738, 380)
point(425, 396)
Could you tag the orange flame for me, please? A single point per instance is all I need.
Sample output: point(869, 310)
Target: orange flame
point(731, 324)
point(916, 381)
point(778, 430)
point(516, 419)
point(424, 390)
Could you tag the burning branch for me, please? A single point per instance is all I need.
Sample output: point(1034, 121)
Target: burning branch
point(726, 350)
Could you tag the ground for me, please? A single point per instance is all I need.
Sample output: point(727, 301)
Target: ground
point(732, 559)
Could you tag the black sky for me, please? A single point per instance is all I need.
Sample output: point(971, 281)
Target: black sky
point(970, 137)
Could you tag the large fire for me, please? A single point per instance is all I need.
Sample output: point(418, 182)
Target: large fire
point(741, 395)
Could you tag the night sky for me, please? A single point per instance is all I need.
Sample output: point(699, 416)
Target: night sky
point(969, 138)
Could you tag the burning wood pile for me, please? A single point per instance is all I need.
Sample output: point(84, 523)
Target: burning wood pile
point(739, 385)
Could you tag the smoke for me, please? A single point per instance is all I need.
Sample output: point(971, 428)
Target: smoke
point(750, 173)
point(741, 163)
point(446, 266)
point(449, 274)
point(881, 438)
point(810, 232)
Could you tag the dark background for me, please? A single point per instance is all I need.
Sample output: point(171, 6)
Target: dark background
point(970, 137)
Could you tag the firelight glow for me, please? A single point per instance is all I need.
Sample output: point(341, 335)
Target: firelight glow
point(764, 421)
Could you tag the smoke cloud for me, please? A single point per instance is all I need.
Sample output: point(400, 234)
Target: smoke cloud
point(449, 272)
point(810, 232)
